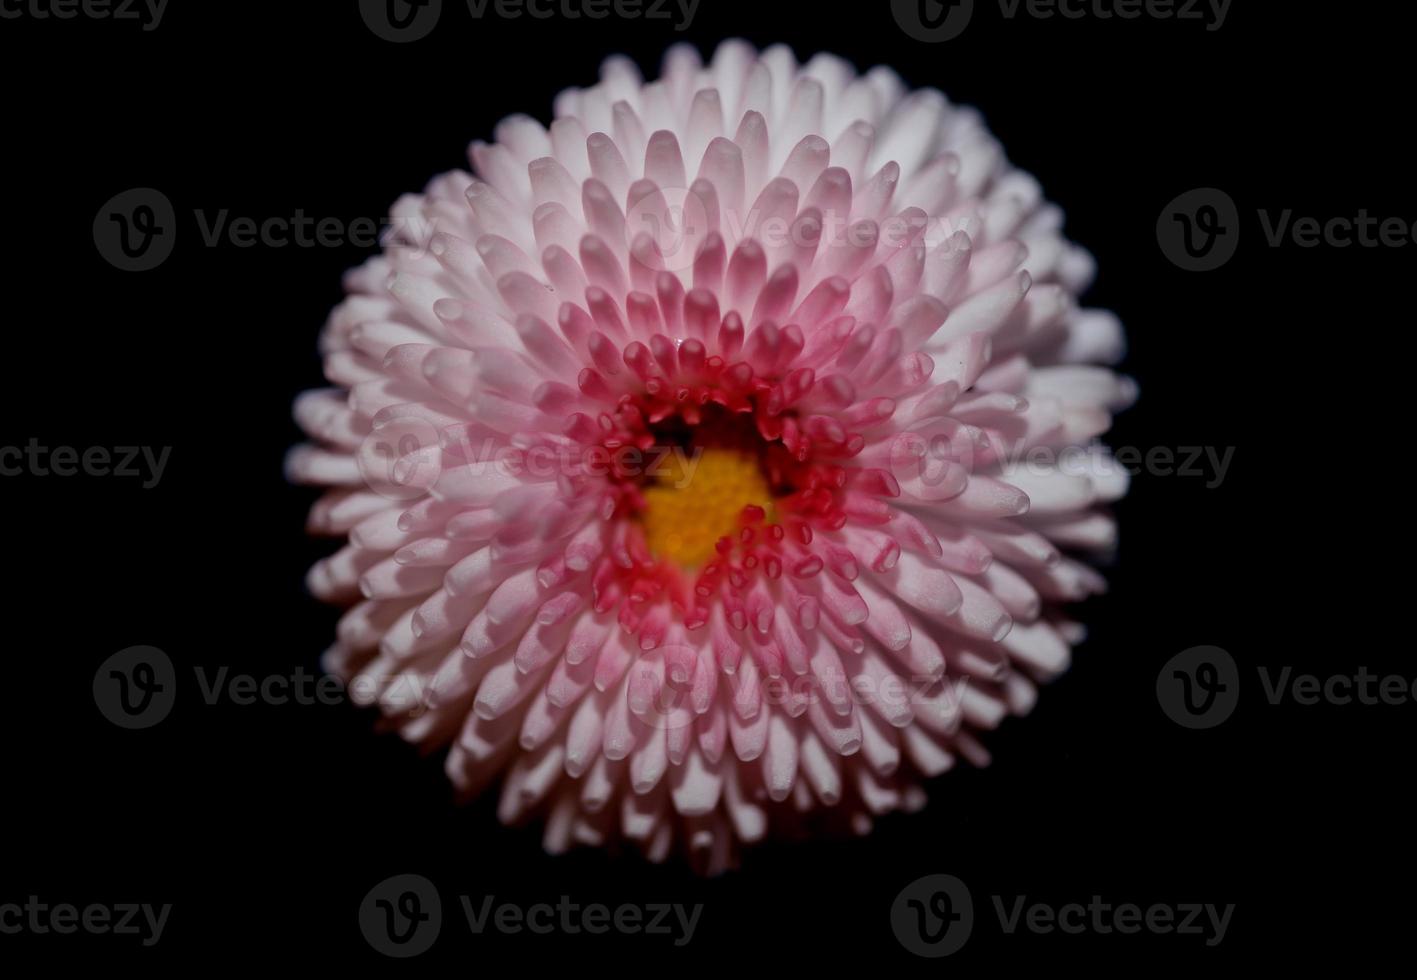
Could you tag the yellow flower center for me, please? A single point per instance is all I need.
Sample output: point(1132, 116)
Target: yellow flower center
point(696, 497)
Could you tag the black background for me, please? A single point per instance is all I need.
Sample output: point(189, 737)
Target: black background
point(265, 825)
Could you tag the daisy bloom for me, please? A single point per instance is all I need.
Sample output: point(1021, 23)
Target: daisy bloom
point(717, 461)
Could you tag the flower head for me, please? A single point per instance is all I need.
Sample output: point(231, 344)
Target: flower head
point(716, 461)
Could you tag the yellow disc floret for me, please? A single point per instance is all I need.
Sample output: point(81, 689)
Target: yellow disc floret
point(696, 497)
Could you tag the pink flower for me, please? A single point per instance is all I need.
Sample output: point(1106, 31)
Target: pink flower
point(716, 461)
